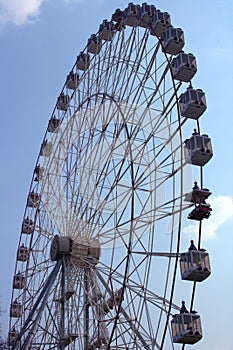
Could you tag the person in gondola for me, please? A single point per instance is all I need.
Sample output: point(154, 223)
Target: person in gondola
point(183, 308)
point(195, 132)
point(195, 187)
point(192, 245)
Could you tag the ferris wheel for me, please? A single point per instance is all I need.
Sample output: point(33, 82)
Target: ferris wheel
point(98, 255)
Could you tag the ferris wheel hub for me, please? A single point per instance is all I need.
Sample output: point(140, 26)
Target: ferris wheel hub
point(80, 251)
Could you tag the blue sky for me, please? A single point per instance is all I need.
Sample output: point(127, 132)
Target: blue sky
point(39, 42)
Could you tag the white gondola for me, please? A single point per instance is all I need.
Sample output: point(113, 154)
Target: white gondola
point(63, 102)
point(186, 328)
point(28, 226)
point(22, 254)
point(83, 61)
point(46, 149)
point(19, 281)
point(132, 14)
point(146, 15)
point(15, 309)
point(53, 125)
point(12, 337)
point(106, 30)
point(160, 23)
point(118, 15)
point(72, 81)
point(173, 40)
point(33, 200)
point(195, 265)
point(184, 66)
point(39, 173)
point(94, 44)
point(192, 103)
point(197, 195)
point(198, 149)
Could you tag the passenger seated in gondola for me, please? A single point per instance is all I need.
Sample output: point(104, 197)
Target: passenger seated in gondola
point(195, 187)
point(192, 245)
point(183, 308)
point(195, 132)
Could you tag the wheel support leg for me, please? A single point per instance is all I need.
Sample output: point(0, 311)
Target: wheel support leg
point(43, 296)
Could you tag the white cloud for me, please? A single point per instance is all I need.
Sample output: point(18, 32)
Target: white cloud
point(19, 11)
point(222, 210)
